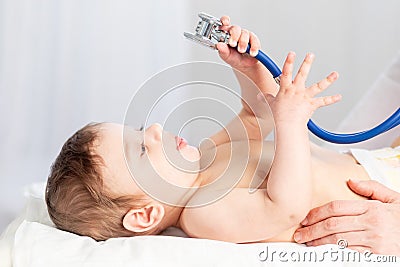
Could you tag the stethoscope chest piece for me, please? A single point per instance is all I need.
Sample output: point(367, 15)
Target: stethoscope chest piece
point(207, 31)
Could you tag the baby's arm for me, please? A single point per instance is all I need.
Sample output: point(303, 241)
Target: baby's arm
point(255, 116)
point(235, 55)
point(244, 217)
point(289, 183)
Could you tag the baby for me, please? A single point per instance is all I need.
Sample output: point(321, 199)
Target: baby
point(90, 190)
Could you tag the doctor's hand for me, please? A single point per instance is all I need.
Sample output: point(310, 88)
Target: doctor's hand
point(372, 225)
point(235, 53)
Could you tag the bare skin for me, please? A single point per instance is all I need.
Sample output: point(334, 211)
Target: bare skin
point(396, 142)
point(295, 174)
point(330, 171)
point(302, 176)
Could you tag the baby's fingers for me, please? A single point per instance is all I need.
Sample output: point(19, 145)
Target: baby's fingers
point(223, 50)
point(287, 71)
point(225, 20)
point(255, 44)
point(243, 41)
point(323, 84)
point(305, 67)
point(235, 32)
point(226, 23)
point(326, 100)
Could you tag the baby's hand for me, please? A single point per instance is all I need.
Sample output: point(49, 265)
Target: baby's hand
point(235, 54)
point(295, 103)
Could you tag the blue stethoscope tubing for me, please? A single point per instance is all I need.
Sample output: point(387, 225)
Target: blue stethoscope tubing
point(343, 138)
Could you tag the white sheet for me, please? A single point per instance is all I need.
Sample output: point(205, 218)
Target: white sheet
point(38, 245)
point(31, 240)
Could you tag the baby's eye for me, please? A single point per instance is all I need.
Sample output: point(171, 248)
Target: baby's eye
point(143, 147)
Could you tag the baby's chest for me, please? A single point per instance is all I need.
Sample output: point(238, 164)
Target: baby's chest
point(239, 164)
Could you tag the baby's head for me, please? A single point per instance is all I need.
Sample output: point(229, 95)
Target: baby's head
point(90, 189)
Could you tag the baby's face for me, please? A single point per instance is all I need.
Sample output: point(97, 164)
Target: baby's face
point(150, 154)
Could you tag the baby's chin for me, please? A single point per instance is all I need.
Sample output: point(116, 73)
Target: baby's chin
point(190, 153)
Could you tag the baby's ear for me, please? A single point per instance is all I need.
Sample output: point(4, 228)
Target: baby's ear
point(143, 219)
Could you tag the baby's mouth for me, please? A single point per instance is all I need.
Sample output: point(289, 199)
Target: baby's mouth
point(180, 142)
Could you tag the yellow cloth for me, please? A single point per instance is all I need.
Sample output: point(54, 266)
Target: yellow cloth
point(382, 164)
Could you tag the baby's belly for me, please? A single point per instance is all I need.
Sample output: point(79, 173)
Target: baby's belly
point(330, 180)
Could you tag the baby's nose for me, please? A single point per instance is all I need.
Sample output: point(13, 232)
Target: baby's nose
point(155, 131)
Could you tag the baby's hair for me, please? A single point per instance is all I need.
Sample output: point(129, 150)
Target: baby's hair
point(76, 198)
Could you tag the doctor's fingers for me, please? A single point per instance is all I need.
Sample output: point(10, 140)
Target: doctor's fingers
point(374, 190)
point(335, 209)
point(328, 227)
point(358, 240)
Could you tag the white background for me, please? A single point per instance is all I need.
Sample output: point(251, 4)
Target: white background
point(65, 63)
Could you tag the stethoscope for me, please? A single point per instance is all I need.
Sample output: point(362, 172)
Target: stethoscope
point(209, 34)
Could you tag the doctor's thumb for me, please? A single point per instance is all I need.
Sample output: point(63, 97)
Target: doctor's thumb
point(373, 190)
